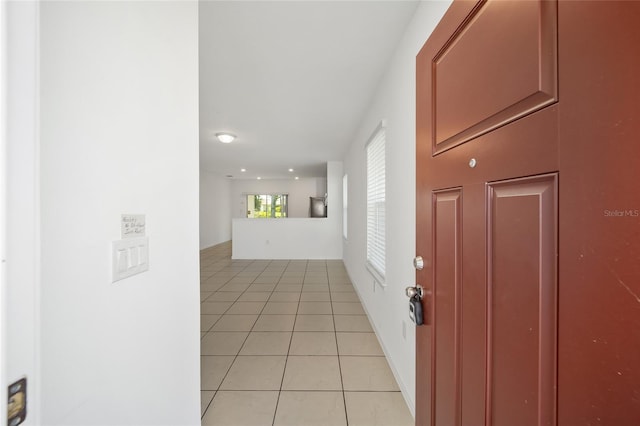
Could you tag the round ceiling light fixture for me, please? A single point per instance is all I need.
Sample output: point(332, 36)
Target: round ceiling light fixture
point(225, 137)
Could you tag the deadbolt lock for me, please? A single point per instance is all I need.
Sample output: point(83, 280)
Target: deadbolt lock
point(418, 263)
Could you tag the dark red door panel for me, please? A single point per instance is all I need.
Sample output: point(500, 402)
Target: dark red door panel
point(521, 306)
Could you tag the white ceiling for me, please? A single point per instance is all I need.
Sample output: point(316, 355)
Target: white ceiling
point(292, 79)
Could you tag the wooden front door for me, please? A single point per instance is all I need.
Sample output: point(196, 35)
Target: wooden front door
point(528, 117)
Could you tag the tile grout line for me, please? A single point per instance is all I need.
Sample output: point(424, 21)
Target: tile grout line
point(226, 310)
point(235, 357)
point(310, 269)
point(226, 282)
point(335, 333)
point(204, 412)
point(286, 360)
point(208, 405)
point(215, 393)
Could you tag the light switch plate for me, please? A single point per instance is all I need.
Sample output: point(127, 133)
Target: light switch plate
point(129, 257)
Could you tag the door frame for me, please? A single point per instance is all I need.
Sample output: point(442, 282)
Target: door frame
point(20, 203)
point(3, 207)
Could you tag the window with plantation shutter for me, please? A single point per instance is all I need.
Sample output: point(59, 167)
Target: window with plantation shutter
point(376, 204)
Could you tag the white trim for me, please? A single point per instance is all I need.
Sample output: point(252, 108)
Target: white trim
point(3, 210)
point(21, 51)
point(37, 389)
point(406, 394)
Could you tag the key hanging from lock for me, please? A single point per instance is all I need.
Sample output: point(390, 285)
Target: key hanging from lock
point(415, 310)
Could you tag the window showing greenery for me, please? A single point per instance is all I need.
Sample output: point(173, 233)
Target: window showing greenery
point(261, 206)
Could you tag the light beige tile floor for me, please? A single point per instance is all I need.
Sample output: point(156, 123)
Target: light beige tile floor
point(287, 342)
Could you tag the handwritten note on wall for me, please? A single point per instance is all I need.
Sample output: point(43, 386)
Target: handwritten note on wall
point(132, 225)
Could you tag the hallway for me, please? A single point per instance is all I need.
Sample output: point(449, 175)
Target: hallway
point(288, 343)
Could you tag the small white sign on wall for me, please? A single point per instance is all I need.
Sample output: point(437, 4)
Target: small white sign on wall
point(132, 226)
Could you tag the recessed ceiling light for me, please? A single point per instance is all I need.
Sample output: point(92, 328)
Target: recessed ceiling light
point(243, 170)
point(225, 137)
point(290, 170)
point(259, 178)
point(297, 178)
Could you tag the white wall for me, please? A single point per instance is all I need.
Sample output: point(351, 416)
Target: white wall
point(119, 134)
point(395, 103)
point(299, 192)
point(222, 198)
point(215, 209)
point(3, 203)
point(295, 238)
point(19, 302)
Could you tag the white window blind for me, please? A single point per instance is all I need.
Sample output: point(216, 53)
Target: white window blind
point(376, 204)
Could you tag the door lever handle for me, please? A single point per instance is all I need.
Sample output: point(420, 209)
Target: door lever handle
point(412, 292)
